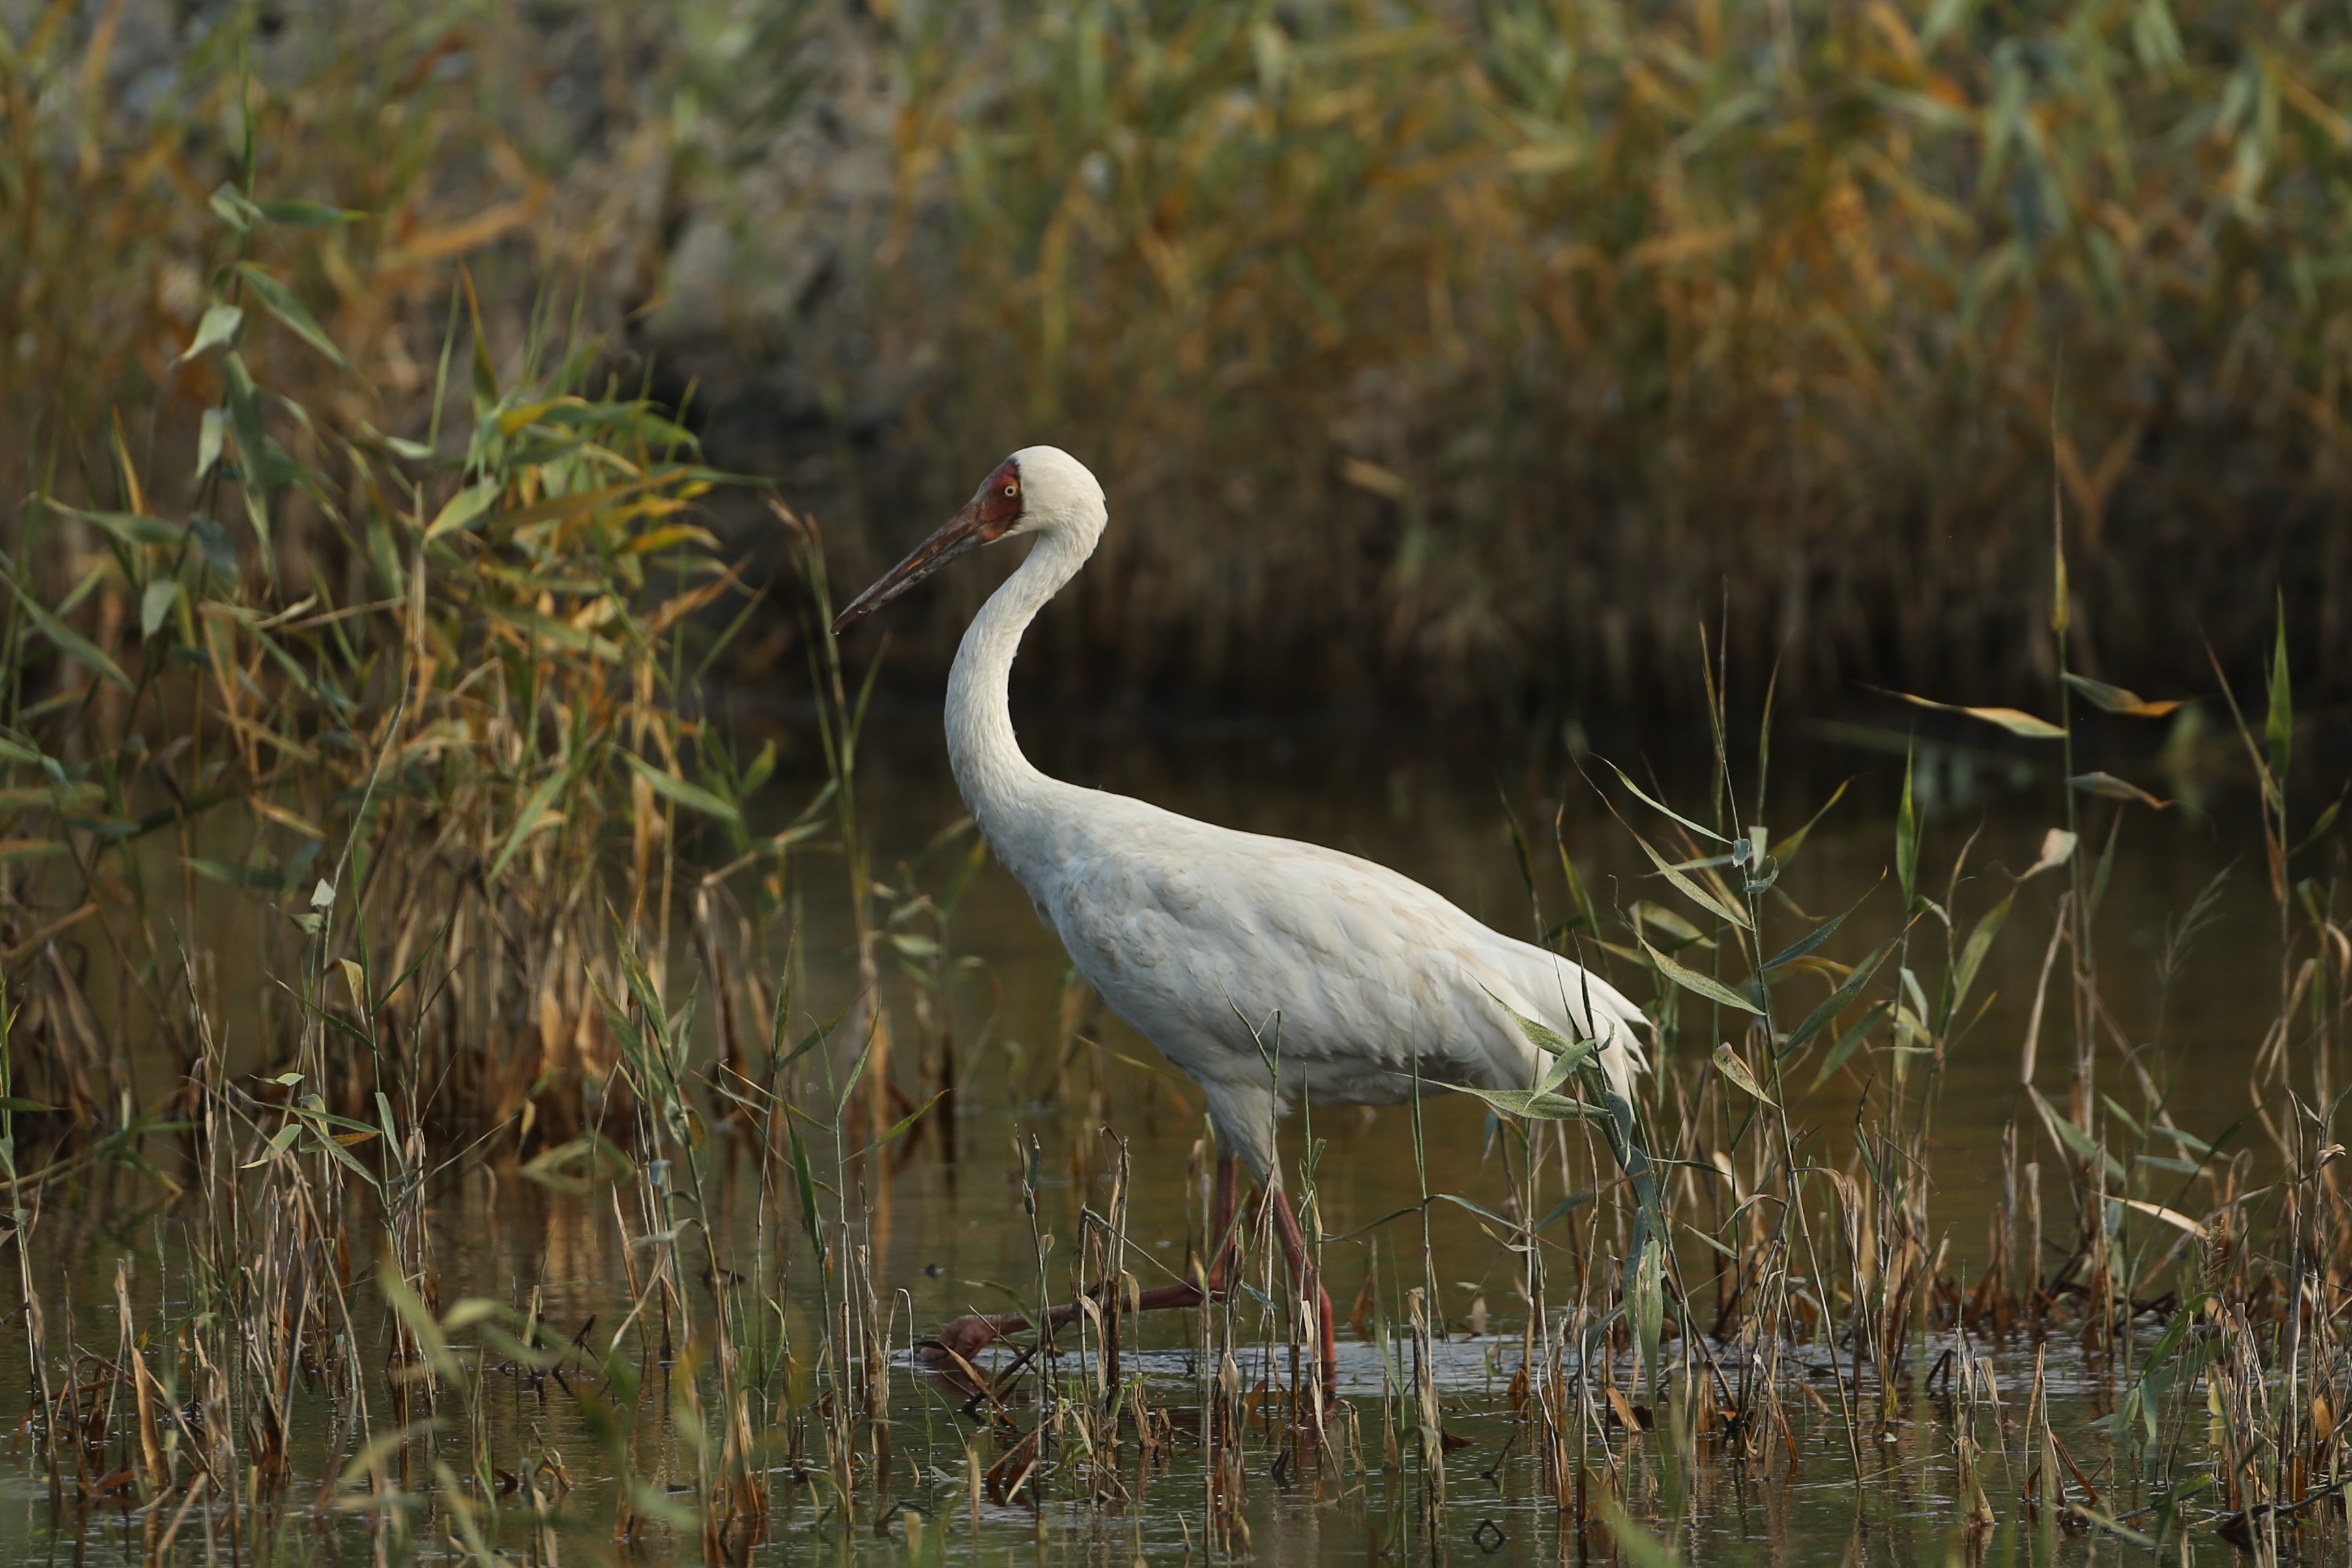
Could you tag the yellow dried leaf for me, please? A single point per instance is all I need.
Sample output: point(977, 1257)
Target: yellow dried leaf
point(2016, 720)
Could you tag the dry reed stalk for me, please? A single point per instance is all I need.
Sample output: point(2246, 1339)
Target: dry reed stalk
point(1228, 1484)
point(1429, 1425)
point(1976, 1509)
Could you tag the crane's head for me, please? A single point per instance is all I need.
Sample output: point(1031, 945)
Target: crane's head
point(1037, 489)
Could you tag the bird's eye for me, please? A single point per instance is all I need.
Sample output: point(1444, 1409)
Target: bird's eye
point(1012, 490)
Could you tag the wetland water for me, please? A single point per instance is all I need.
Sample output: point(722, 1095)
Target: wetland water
point(1072, 1150)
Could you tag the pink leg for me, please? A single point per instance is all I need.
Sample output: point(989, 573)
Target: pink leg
point(969, 1335)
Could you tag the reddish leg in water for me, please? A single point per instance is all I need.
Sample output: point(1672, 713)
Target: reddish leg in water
point(968, 1334)
point(965, 1338)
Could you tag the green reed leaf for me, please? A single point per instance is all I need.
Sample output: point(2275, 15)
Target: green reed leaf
point(1786, 851)
point(2081, 1143)
point(404, 1302)
point(303, 215)
point(1529, 1104)
point(692, 797)
point(1654, 806)
point(535, 814)
point(279, 301)
point(252, 450)
point(1690, 887)
point(1851, 1041)
point(811, 1217)
point(155, 602)
point(1479, 1209)
point(1726, 1062)
point(554, 1167)
point(66, 641)
point(1811, 939)
point(463, 509)
point(2117, 698)
point(1907, 840)
point(1840, 999)
point(898, 1128)
point(2015, 721)
point(234, 208)
point(218, 326)
point(129, 528)
point(1567, 1205)
point(1701, 984)
point(2326, 819)
point(1972, 952)
point(2278, 724)
point(2113, 788)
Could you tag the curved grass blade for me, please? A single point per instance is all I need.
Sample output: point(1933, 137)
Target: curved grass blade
point(2016, 721)
point(1692, 890)
point(1840, 999)
point(1701, 984)
point(2117, 698)
point(1670, 811)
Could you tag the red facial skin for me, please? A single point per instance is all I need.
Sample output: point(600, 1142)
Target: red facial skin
point(993, 511)
point(998, 499)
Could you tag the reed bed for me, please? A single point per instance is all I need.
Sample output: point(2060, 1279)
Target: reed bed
point(449, 818)
point(340, 905)
point(383, 150)
point(439, 750)
point(1711, 1302)
point(1516, 328)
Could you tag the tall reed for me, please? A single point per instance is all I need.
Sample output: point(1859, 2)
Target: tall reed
point(330, 891)
point(1520, 328)
point(1516, 326)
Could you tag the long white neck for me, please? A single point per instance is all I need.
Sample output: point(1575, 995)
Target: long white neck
point(1006, 795)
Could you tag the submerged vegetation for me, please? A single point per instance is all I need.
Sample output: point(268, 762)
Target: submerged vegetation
point(372, 856)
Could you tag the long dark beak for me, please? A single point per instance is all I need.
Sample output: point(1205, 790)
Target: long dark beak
point(960, 533)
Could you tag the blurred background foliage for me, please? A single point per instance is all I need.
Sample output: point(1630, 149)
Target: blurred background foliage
point(1450, 355)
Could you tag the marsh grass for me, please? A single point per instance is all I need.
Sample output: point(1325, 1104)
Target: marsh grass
point(1709, 1293)
point(132, 147)
point(426, 764)
point(329, 891)
point(1519, 329)
point(1516, 328)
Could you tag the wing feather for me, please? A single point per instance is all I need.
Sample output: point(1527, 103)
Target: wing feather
point(1200, 936)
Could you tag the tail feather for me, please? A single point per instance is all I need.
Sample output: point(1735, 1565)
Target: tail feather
point(1579, 1004)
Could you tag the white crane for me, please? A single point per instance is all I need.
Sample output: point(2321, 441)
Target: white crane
point(1267, 970)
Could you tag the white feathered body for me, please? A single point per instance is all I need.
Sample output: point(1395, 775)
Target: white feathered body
point(1267, 970)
